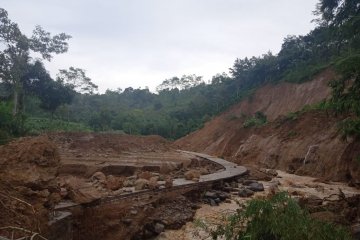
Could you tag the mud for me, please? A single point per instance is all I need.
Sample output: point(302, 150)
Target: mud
point(323, 200)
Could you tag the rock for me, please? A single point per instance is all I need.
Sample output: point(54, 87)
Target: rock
point(223, 196)
point(245, 192)
point(129, 183)
point(83, 195)
point(127, 221)
point(248, 182)
point(276, 182)
point(145, 175)
point(227, 189)
point(310, 201)
point(63, 192)
point(212, 195)
point(153, 183)
point(273, 189)
point(212, 202)
point(141, 184)
point(195, 179)
point(217, 200)
point(256, 187)
point(191, 174)
point(133, 212)
point(128, 189)
point(272, 172)
point(258, 175)
point(161, 183)
point(133, 177)
point(113, 183)
point(159, 228)
point(204, 171)
point(98, 176)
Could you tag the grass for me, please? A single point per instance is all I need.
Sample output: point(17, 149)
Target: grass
point(37, 126)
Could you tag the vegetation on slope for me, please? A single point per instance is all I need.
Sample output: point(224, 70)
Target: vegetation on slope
point(183, 104)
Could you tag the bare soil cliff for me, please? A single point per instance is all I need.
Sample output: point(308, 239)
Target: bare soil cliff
point(308, 145)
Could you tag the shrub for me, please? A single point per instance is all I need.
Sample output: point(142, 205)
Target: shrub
point(279, 217)
point(350, 127)
point(257, 120)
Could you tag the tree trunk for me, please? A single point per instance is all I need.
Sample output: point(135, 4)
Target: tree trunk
point(16, 102)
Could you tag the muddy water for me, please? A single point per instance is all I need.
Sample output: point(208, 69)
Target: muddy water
point(299, 185)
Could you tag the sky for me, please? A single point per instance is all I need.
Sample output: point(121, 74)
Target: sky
point(140, 43)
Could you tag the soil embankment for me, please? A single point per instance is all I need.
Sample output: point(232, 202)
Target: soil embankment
point(28, 189)
point(308, 144)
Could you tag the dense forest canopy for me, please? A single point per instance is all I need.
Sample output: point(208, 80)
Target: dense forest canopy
point(182, 103)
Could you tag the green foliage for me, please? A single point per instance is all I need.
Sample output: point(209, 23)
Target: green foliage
point(184, 103)
point(76, 79)
point(346, 93)
point(10, 126)
point(350, 127)
point(259, 119)
point(280, 217)
point(346, 89)
point(37, 126)
point(303, 73)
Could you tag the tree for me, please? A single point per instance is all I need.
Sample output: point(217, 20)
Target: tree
point(185, 82)
point(76, 79)
point(52, 94)
point(15, 54)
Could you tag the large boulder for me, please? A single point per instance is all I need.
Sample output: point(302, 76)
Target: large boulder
point(145, 175)
point(244, 192)
point(192, 175)
point(98, 176)
point(141, 184)
point(256, 187)
point(153, 183)
point(114, 183)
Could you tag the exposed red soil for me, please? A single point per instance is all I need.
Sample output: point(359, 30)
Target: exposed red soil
point(28, 190)
point(282, 143)
point(38, 172)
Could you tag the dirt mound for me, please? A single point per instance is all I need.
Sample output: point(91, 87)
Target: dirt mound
point(28, 168)
point(108, 142)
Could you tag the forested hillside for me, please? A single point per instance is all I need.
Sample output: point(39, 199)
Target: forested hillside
point(31, 101)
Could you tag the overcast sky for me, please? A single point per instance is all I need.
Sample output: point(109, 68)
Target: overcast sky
point(138, 43)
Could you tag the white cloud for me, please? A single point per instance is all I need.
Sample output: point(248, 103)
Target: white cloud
point(142, 42)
